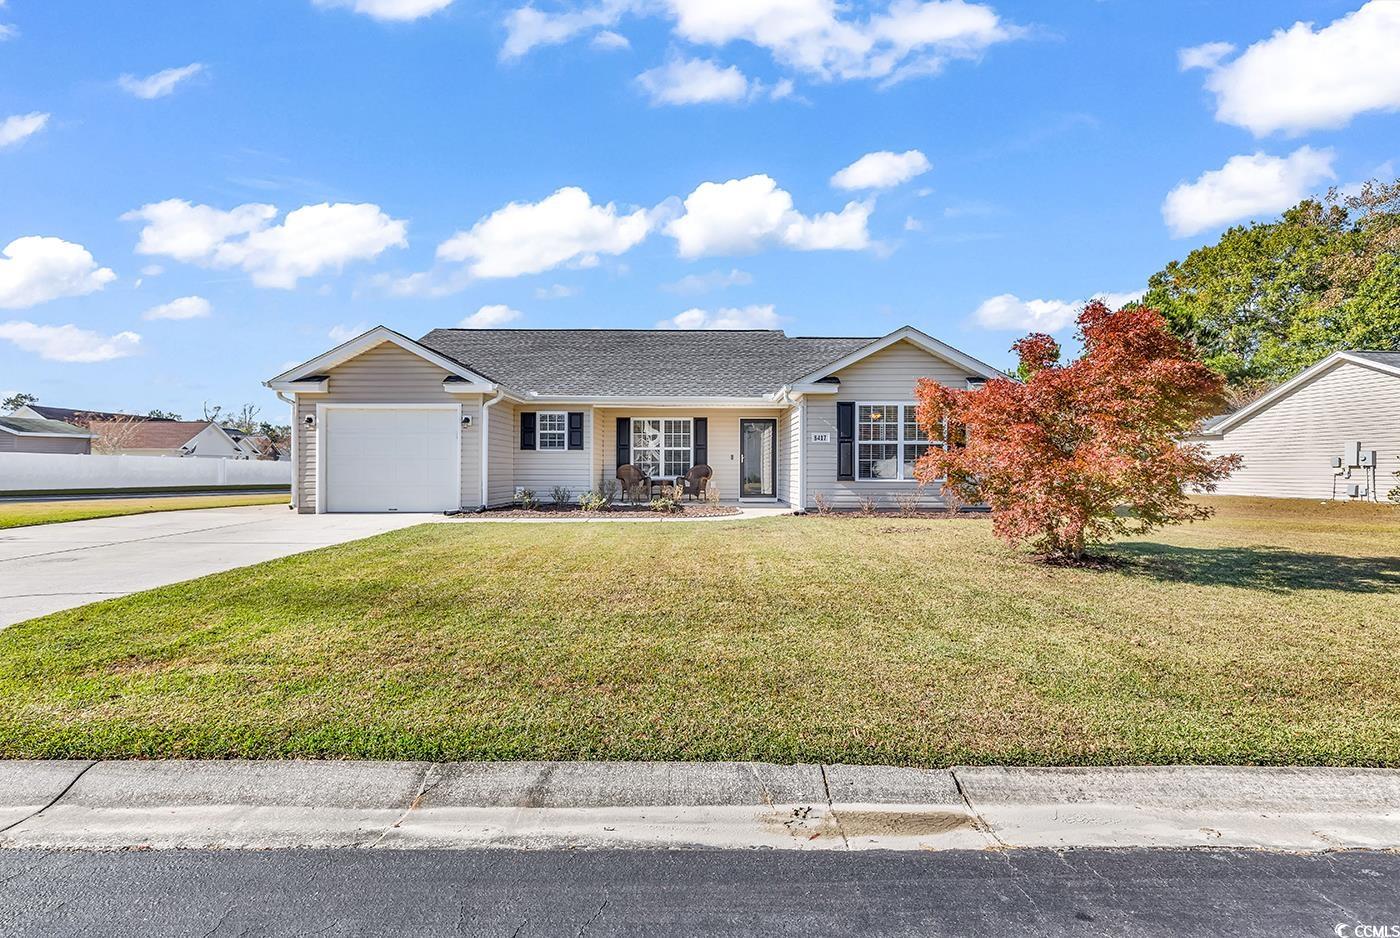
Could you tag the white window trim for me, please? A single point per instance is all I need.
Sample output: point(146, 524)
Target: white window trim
point(632, 440)
point(539, 433)
point(900, 443)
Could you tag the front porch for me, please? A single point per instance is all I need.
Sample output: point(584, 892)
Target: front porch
point(749, 450)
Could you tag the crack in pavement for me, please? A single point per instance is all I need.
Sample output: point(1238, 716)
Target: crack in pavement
point(53, 801)
point(978, 820)
point(831, 808)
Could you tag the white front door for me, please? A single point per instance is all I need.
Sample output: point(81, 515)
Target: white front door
point(391, 459)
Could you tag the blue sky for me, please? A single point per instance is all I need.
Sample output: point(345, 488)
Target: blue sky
point(1034, 155)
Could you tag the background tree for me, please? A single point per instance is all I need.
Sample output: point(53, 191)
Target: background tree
point(1269, 299)
point(158, 414)
point(112, 436)
point(245, 418)
point(17, 400)
point(1078, 453)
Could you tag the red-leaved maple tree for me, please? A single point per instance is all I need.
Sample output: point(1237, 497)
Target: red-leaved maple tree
point(1075, 454)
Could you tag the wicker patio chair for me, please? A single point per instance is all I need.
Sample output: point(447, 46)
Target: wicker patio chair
point(697, 480)
point(633, 482)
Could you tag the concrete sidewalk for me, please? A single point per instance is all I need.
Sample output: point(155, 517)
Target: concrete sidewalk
point(176, 804)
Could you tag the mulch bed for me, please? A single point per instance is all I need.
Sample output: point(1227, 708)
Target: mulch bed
point(697, 510)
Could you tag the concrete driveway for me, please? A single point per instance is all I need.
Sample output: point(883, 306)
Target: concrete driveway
point(48, 567)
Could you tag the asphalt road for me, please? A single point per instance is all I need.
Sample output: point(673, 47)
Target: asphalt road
point(677, 893)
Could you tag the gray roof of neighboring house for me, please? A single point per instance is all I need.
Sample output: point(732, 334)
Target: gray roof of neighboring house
point(40, 425)
point(69, 413)
point(640, 362)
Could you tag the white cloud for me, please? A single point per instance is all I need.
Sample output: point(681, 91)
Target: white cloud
point(36, 269)
point(175, 228)
point(557, 291)
point(152, 270)
point(1245, 187)
point(530, 237)
point(344, 333)
point(527, 27)
point(19, 127)
point(742, 215)
point(393, 10)
point(1010, 312)
point(491, 317)
point(161, 83)
point(882, 170)
point(1301, 79)
point(1207, 55)
point(69, 343)
point(913, 224)
point(310, 240)
point(186, 307)
point(714, 280)
point(7, 32)
point(693, 81)
point(610, 41)
point(744, 317)
point(907, 38)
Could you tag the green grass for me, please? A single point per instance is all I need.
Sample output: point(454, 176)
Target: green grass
point(1268, 635)
point(22, 514)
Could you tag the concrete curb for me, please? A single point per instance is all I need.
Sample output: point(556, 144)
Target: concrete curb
point(191, 804)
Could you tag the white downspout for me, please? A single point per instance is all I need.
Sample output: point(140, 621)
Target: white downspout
point(785, 396)
point(486, 444)
point(296, 449)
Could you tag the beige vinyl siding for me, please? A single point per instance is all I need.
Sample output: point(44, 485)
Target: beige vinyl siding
point(10, 443)
point(789, 445)
point(1288, 446)
point(505, 439)
point(542, 470)
point(385, 374)
point(723, 439)
point(888, 376)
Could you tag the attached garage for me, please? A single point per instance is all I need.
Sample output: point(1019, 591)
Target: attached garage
point(390, 457)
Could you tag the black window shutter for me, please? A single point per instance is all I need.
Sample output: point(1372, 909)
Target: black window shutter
point(701, 439)
point(575, 429)
point(624, 440)
point(527, 430)
point(845, 439)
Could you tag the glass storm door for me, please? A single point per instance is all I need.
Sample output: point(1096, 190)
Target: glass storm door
point(758, 458)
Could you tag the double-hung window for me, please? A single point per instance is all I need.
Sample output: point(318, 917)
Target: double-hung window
point(662, 446)
point(552, 430)
point(889, 441)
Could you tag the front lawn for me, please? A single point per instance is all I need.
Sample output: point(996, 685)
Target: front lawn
point(20, 514)
point(1269, 634)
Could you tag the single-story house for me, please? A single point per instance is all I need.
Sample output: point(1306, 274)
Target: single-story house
point(38, 435)
point(467, 418)
point(1331, 431)
point(197, 438)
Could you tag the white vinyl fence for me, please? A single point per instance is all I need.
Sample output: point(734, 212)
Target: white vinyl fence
point(44, 472)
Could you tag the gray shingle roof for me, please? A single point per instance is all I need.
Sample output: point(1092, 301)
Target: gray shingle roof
point(640, 362)
point(38, 425)
point(1385, 358)
point(69, 413)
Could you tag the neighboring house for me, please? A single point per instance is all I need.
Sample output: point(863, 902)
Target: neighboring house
point(1312, 435)
point(74, 416)
point(197, 438)
point(37, 435)
point(247, 443)
point(465, 418)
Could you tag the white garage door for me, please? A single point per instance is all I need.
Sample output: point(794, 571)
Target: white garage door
point(391, 459)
